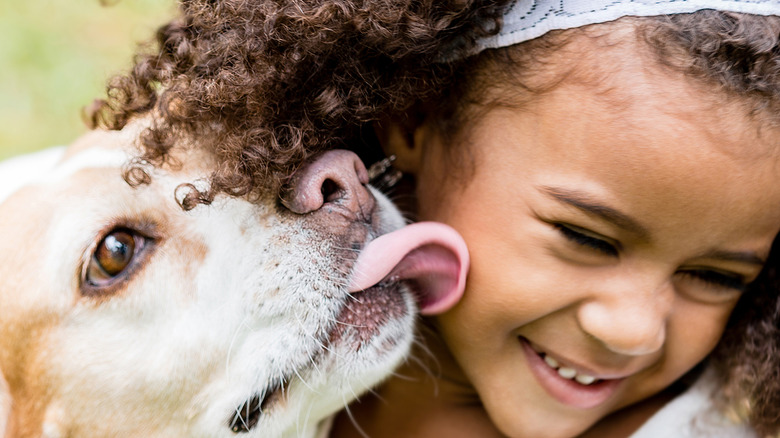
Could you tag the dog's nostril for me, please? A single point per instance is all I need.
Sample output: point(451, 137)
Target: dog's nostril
point(331, 190)
point(337, 176)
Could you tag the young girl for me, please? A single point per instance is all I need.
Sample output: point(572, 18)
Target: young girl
point(617, 188)
point(615, 209)
point(612, 165)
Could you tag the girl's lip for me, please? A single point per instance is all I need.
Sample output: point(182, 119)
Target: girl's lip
point(568, 391)
point(581, 369)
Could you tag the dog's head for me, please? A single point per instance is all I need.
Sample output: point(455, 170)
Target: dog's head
point(121, 314)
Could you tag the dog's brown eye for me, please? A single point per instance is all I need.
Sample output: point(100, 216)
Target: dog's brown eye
point(114, 252)
point(112, 257)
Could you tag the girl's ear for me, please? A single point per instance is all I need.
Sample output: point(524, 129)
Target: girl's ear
point(402, 141)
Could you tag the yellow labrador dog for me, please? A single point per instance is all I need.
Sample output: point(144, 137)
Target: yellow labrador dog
point(122, 315)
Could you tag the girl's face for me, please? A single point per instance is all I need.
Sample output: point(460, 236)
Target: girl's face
point(611, 234)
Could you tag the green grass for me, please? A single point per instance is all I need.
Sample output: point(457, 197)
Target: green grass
point(55, 58)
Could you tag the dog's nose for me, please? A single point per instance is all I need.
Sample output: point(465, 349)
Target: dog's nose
point(335, 179)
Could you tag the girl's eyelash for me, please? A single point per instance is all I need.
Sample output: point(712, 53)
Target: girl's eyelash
point(708, 276)
point(729, 281)
point(583, 239)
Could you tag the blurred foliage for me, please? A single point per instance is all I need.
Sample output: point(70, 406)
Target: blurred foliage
point(56, 57)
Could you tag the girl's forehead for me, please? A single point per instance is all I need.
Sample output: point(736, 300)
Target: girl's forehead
point(602, 107)
point(618, 80)
point(671, 164)
point(659, 145)
point(617, 61)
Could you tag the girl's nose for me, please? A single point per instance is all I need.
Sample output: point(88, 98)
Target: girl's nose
point(629, 317)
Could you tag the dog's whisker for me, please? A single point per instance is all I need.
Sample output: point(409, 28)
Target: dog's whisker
point(374, 393)
point(404, 377)
point(425, 365)
point(321, 312)
point(422, 347)
point(347, 324)
point(283, 383)
point(232, 344)
point(301, 325)
point(313, 363)
point(295, 370)
point(353, 298)
point(305, 422)
point(316, 339)
point(344, 248)
point(240, 416)
point(355, 395)
point(352, 418)
point(339, 270)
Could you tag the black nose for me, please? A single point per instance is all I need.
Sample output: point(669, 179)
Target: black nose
point(336, 179)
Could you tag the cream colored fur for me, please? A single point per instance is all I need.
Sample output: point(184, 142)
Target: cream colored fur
point(227, 300)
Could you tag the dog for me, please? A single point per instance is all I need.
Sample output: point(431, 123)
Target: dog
point(123, 315)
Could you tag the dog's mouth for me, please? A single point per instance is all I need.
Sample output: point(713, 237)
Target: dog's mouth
point(429, 258)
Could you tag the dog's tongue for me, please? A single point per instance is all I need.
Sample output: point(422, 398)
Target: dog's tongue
point(431, 256)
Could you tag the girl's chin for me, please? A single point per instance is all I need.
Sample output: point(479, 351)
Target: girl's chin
point(547, 426)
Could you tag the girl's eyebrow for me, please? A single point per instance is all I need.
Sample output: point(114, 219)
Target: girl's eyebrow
point(747, 257)
point(588, 205)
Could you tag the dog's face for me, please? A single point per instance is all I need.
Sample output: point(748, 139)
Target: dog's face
point(123, 315)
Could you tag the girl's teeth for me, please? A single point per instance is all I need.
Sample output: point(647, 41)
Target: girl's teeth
point(585, 379)
point(568, 373)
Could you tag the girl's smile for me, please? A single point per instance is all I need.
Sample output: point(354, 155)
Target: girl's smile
point(608, 247)
point(568, 383)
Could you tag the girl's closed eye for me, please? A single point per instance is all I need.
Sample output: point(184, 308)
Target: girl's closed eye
point(716, 279)
point(587, 239)
point(711, 278)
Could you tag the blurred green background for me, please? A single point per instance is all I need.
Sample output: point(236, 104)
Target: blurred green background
point(55, 58)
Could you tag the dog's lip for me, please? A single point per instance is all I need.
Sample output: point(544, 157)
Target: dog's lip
point(431, 256)
point(366, 314)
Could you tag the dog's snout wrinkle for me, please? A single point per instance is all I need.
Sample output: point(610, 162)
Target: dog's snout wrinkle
point(334, 182)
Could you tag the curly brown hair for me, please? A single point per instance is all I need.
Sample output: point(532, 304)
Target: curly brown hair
point(264, 84)
point(270, 82)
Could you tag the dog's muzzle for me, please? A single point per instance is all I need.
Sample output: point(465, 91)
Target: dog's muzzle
point(431, 258)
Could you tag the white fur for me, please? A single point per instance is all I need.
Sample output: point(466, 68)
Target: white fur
point(19, 171)
point(233, 297)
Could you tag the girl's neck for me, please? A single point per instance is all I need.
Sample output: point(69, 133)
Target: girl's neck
point(428, 396)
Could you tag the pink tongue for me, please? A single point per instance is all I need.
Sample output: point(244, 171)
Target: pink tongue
point(431, 255)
